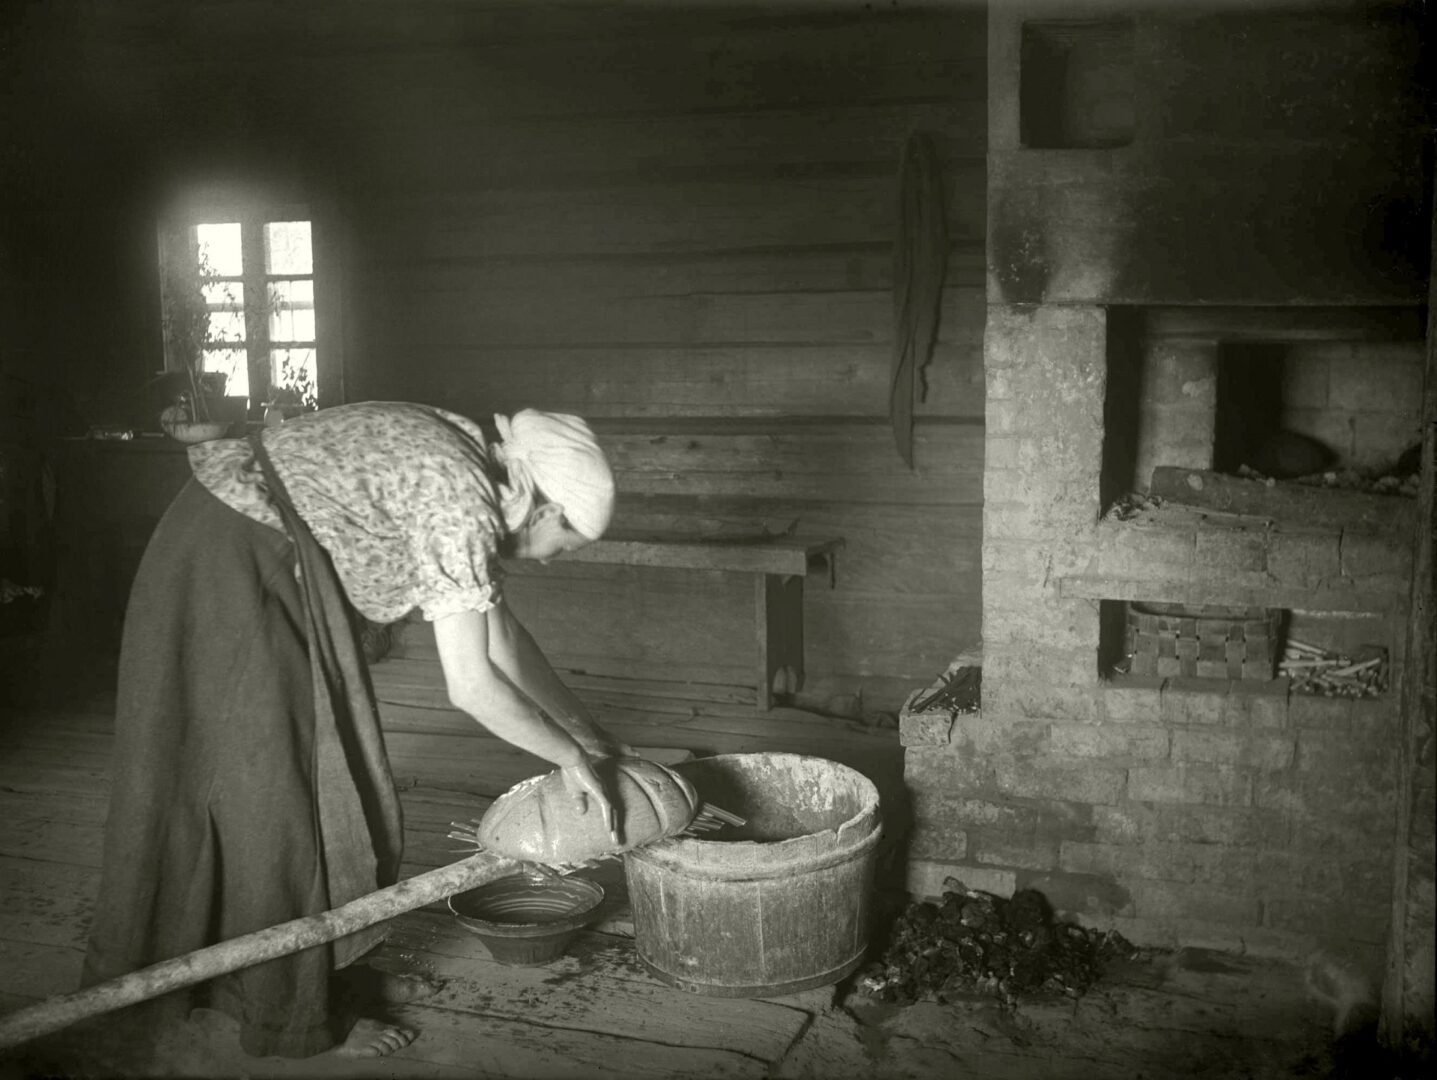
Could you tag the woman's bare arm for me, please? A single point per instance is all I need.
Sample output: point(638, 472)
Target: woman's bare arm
point(513, 650)
point(478, 687)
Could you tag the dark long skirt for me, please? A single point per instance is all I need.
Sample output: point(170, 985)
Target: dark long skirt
point(213, 829)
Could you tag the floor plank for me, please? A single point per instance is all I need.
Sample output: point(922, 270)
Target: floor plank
point(46, 903)
point(47, 827)
point(33, 971)
point(596, 1012)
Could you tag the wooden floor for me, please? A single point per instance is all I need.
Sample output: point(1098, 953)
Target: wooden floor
point(596, 1012)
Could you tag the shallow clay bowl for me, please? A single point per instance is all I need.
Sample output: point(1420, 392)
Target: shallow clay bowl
point(528, 918)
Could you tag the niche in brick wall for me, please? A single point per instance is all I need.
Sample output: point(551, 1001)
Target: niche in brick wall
point(1224, 391)
point(1323, 654)
point(1289, 410)
point(1155, 639)
point(1076, 84)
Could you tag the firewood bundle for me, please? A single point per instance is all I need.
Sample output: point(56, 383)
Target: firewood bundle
point(1314, 670)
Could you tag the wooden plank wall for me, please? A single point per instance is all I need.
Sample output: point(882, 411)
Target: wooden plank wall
point(677, 220)
point(681, 226)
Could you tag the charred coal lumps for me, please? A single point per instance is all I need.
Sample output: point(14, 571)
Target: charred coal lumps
point(974, 943)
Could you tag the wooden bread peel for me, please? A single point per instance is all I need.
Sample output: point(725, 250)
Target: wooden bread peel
point(550, 817)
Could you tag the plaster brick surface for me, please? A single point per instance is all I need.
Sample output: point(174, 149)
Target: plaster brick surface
point(1059, 624)
point(1042, 701)
point(1190, 811)
point(925, 842)
point(1379, 438)
point(1121, 743)
point(1357, 808)
point(980, 734)
point(1208, 864)
point(947, 769)
point(1226, 747)
point(1188, 701)
point(1235, 826)
point(1184, 900)
point(925, 729)
point(1049, 779)
point(1183, 372)
point(988, 812)
point(1333, 918)
point(1004, 416)
point(1344, 846)
point(1165, 933)
point(1019, 511)
point(1257, 706)
point(1000, 452)
point(1322, 713)
point(1133, 700)
point(1176, 425)
point(998, 382)
point(1392, 386)
point(994, 847)
point(944, 812)
point(1204, 785)
point(1034, 665)
point(926, 877)
point(1028, 560)
point(1360, 757)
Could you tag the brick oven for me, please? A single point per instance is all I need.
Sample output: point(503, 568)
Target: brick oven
point(1156, 314)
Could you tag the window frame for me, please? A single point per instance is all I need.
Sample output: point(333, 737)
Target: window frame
point(177, 239)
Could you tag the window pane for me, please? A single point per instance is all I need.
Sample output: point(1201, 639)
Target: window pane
point(286, 248)
point(226, 303)
point(291, 313)
point(219, 245)
point(294, 369)
point(235, 364)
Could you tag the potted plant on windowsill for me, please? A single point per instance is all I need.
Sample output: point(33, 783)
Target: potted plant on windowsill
point(293, 393)
point(195, 412)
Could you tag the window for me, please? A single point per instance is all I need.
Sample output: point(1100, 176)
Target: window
point(238, 292)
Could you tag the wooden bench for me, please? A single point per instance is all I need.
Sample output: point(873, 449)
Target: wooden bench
point(779, 565)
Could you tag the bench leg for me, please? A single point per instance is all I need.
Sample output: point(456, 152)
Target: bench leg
point(779, 605)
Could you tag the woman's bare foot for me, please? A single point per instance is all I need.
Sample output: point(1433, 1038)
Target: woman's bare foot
point(373, 1038)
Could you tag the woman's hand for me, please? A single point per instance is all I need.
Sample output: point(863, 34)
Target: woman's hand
point(584, 785)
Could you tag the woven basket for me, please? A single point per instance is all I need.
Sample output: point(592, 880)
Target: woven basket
point(1207, 642)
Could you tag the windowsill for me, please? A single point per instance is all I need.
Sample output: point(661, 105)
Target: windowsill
point(148, 441)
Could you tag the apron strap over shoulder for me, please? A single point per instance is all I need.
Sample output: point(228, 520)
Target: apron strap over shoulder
point(355, 801)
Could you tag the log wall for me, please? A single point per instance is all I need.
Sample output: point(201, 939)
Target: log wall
point(676, 221)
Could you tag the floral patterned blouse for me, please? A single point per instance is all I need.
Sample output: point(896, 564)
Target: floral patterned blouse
point(400, 495)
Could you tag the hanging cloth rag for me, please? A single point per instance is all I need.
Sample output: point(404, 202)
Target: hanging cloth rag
point(920, 260)
point(358, 810)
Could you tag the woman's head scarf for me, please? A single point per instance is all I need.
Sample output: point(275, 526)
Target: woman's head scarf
point(553, 457)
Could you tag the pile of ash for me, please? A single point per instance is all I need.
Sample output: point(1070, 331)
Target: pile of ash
point(976, 943)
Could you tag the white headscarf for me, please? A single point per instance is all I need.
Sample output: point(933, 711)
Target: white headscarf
point(554, 457)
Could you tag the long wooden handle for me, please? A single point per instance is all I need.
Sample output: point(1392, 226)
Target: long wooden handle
point(60, 1011)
